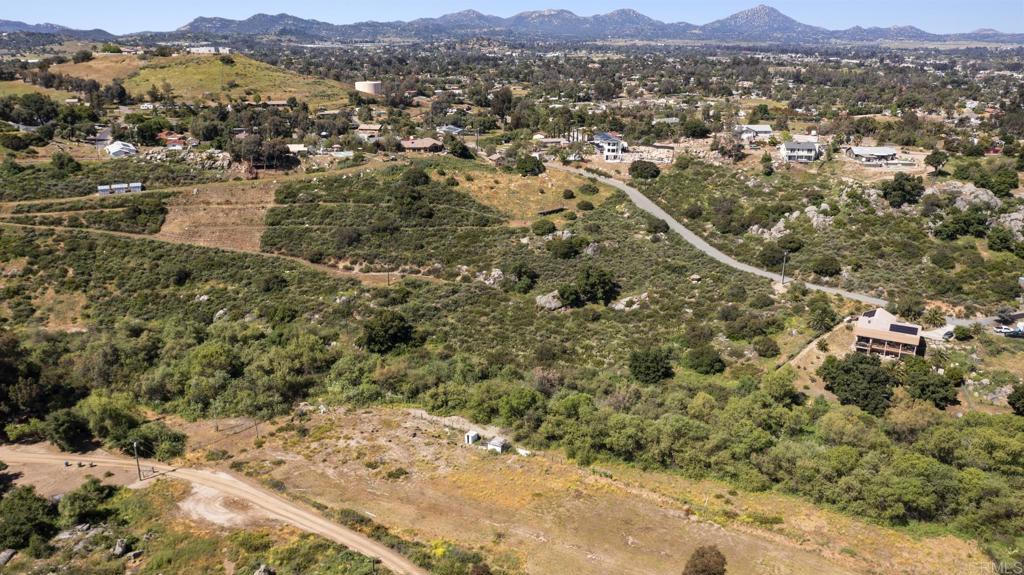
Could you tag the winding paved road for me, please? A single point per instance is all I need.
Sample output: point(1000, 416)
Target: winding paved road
point(646, 204)
point(269, 503)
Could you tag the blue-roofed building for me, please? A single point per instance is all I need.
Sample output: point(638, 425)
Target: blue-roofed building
point(609, 146)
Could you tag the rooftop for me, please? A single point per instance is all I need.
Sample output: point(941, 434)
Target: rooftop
point(880, 324)
point(874, 151)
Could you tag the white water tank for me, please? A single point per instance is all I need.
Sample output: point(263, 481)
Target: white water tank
point(371, 87)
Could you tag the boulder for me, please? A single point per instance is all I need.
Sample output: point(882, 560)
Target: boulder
point(550, 301)
point(6, 555)
point(776, 231)
point(965, 195)
point(491, 278)
point(1013, 221)
point(120, 548)
point(630, 303)
point(559, 235)
point(818, 217)
point(264, 569)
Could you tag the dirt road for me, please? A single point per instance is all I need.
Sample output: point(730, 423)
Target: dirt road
point(229, 485)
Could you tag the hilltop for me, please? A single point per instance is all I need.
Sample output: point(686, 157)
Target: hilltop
point(208, 78)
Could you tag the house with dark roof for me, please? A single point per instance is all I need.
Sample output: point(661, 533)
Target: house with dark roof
point(881, 333)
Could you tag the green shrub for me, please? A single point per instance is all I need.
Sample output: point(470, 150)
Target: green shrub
point(827, 266)
point(644, 170)
point(543, 227)
point(705, 359)
point(386, 331)
point(650, 366)
point(765, 346)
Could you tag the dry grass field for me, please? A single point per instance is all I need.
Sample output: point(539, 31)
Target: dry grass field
point(104, 68)
point(543, 514)
point(519, 198)
point(17, 88)
point(205, 78)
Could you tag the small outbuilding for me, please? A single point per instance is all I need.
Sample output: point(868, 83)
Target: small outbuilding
point(498, 444)
point(472, 437)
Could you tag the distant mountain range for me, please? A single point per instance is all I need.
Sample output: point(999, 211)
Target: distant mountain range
point(15, 26)
point(758, 24)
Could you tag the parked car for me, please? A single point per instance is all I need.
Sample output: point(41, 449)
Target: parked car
point(947, 336)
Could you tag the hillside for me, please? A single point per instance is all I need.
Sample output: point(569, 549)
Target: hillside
point(17, 88)
point(104, 68)
point(207, 78)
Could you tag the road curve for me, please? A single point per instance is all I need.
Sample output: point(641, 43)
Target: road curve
point(646, 204)
point(271, 504)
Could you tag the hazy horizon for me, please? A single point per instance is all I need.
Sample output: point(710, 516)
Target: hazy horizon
point(936, 16)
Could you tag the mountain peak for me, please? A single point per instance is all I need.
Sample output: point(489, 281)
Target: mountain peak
point(762, 23)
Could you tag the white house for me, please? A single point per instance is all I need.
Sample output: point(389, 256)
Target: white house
point(449, 130)
point(121, 149)
point(209, 50)
point(609, 146)
point(800, 151)
point(872, 154)
point(753, 132)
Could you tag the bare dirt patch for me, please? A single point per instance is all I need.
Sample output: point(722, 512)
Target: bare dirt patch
point(224, 215)
point(80, 151)
point(50, 481)
point(207, 504)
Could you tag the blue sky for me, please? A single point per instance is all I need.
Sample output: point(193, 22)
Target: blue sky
point(120, 17)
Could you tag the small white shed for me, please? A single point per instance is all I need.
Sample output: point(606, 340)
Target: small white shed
point(472, 437)
point(498, 444)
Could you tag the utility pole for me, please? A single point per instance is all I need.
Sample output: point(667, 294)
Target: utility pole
point(138, 467)
point(785, 257)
